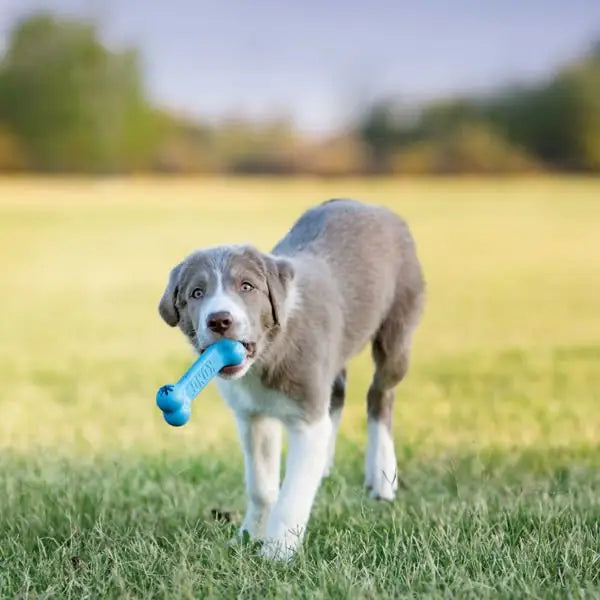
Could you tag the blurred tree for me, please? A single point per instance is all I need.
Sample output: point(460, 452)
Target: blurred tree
point(256, 147)
point(339, 155)
point(471, 147)
point(12, 155)
point(379, 131)
point(185, 147)
point(75, 105)
point(442, 118)
point(555, 123)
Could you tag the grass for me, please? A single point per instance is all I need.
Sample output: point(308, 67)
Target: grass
point(497, 425)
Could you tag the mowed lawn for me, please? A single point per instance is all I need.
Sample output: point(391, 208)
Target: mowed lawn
point(497, 424)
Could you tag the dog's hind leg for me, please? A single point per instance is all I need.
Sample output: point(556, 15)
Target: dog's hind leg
point(391, 351)
point(336, 406)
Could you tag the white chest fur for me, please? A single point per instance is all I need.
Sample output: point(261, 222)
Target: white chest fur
point(249, 395)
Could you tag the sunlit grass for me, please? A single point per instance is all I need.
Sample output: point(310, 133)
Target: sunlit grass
point(512, 313)
point(504, 388)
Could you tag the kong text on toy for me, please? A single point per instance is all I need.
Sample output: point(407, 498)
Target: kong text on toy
point(175, 400)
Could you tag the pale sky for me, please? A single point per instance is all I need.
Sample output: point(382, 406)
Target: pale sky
point(318, 60)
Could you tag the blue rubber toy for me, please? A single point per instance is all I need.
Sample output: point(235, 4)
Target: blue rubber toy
point(175, 400)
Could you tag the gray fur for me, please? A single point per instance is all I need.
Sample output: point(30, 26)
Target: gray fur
point(360, 280)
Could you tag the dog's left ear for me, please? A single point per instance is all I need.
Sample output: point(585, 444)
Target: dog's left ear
point(280, 274)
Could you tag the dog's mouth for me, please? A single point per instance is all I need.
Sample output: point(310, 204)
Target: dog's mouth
point(236, 369)
point(250, 349)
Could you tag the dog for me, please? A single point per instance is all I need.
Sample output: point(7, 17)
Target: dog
point(346, 274)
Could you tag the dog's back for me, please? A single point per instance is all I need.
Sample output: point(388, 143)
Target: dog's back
point(368, 253)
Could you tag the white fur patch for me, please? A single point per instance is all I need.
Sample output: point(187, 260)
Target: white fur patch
point(336, 417)
point(221, 301)
point(249, 395)
point(261, 443)
point(306, 460)
point(380, 464)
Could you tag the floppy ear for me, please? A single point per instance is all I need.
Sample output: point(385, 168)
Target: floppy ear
point(166, 307)
point(280, 273)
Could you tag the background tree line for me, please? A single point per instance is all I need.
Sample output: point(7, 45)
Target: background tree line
point(69, 104)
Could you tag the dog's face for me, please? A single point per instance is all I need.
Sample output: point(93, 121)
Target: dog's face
point(235, 292)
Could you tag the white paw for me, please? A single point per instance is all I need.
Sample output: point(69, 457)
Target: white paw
point(282, 541)
point(283, 548)
point(255, 521)
point(381, 476)
point(384, 485)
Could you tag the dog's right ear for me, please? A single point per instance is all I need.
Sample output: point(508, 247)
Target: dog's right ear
point(167, 306)
point(280, 274)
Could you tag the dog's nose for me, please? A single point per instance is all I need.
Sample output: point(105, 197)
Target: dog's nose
point(219, 322)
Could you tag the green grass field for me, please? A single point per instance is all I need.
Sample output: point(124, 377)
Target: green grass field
point(497, 424)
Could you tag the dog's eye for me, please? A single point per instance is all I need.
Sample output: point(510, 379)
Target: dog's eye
point(246, 286)
point(197, 293)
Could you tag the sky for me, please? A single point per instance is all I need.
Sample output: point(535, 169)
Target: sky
point(320, 61)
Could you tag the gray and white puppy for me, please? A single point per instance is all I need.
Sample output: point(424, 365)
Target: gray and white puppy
point(347, 273)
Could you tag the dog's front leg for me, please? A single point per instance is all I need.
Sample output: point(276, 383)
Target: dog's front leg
point(307, 455)
point(261, 443)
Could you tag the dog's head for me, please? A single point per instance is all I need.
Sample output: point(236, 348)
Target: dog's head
point(235, 292)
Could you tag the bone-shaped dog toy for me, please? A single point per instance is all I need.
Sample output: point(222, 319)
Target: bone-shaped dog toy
point(175, 400)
